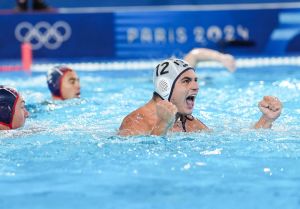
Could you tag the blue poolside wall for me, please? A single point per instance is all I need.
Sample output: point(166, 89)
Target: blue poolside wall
point(6, 4)
point(155, 32)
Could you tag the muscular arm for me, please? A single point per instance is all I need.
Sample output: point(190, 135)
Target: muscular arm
point(271, 108)
point(134, 124)
point(161, 128)
point(202, 54)
point(144, 122)
point(165, 112)
point(263, 122)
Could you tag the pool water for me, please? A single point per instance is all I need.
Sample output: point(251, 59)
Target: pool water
point(68, 155)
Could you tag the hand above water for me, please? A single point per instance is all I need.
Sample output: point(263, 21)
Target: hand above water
point(166, 113)
point(271, 108)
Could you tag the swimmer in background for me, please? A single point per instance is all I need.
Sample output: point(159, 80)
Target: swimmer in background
point(12, 109)
point(63, 83)
point(203, 54)
point(37, 5)
point(172, 104)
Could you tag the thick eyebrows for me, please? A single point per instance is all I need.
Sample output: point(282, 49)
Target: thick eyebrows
point(189, 78)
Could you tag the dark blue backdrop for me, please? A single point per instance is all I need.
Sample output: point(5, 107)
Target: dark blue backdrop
point(6, 4)
point(144, 33)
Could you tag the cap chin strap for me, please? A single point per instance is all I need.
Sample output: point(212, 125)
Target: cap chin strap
point(183, 119)
point(158, 95)
point(179, 116)
point(6, 125)
point(13, 111)
point(57, 97)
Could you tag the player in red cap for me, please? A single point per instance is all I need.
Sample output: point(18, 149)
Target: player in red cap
point(63, 83)
point(12, 109)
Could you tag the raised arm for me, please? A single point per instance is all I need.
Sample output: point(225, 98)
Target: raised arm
point(271, 108)
point(202, 54)
point(133, 124)
point(165, 112)
point(143, 122)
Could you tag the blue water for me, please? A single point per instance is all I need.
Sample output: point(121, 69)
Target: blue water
point(68, 155)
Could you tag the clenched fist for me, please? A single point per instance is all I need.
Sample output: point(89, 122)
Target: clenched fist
point(270, 107)
point(166, 111)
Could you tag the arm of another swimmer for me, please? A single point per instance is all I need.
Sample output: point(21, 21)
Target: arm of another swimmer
point(202, 54)
point(271, 108)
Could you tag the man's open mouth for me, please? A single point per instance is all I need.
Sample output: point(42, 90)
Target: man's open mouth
point(192, 98)
point(190, 101)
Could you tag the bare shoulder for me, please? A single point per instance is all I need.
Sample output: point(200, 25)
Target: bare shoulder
point(136, 123)
point(134, 116)
point(193, 124)
point(130, 118)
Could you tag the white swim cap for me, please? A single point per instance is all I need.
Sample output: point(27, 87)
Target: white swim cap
point(166, 74)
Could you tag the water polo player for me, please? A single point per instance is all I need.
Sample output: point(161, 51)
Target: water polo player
point(63, 83)
point(12, 109)
point(172, 104)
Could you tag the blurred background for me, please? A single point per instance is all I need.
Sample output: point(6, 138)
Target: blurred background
point(7, 4)
point(147, 29)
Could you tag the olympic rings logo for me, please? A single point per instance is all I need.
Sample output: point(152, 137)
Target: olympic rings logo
point(43, 34)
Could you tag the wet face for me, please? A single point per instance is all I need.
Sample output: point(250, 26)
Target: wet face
point(20, 114)
point(185, 91)
point(70, 87)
